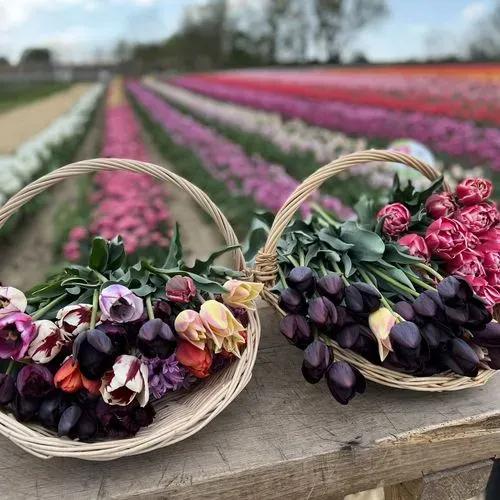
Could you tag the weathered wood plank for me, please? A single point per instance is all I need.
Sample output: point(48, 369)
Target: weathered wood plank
point(283, 438)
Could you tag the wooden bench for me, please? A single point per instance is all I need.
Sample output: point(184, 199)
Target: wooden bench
point(283, 438)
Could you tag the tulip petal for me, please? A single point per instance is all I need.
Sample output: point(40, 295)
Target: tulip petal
point(381, 322)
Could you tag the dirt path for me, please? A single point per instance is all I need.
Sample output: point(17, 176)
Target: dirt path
point(23, 122)
point(29, 254)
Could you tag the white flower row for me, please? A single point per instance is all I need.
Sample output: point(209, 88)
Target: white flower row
point(17, 169)
point(290, 135)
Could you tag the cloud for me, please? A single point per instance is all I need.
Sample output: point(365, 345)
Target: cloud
point(474, 11)
point(419, 29)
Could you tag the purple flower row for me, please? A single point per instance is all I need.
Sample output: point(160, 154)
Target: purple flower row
point(457, 138)
point(251, 176)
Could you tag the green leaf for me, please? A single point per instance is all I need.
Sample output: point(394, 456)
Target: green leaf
point(203, 266)
point(366, 210)
point(347, 263)
point(435, 187)
point(312, 252)
point(206, 285)
point(74, 290)
point(144, 290)
point(175, 250)
point(366, 245)
point(223, 272)
point(336, 243)
point(98, 258)
point(46, 290)
point(397, 254)
point(116, 253)
point(255, 240)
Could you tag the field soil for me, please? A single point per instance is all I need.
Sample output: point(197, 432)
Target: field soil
point(23, 122)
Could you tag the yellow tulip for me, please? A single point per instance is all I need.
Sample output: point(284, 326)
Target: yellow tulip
point(381, 321)
point(241, 294)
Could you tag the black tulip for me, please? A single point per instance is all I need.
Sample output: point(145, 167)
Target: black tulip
point(361, 298)
point(34, 381)
point(458, 315)
point(479, 316)
point(302, 279)
point(296, 330)
point(425, 305)
point(24, 408)
point(7, 388)
point(77, 423)
point(332, 287)
point(51, 409)
point(156, 339)
point(292, 301)
point(489, 336)
point(406, 338)
point(405, 310)
point(322, 313)
point(123, 421)
point(461, 358)
point(454, 289)
point(400, 363)
point(316, 361)
point(348, 336)
point(433, 335)
point(344, 381)
point(95, 353)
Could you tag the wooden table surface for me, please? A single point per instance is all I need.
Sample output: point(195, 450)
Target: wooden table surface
point(284, 438)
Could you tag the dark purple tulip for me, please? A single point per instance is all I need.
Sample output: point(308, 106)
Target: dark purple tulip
point(406, 338)
point(156, 339)
point(296, 330)
point(344, 381)
point(494, 355)
point(123, 421)
point(361, 298)
point(316, 361)
point(332, 287)
point(454, 289)
point(322, 312)
point(433, 335)
point(461, 358)
point(489, 336)
point(77, 423)
point(7, 388)
point(479, 316)
point(344, 317)
point(405, 310)
point(401, 363)
point(302, 279)
point(163, 310)
point(348, 336)
point(24, 408)
point(240, 314)
point(292, 301)
point(95, 353)
point(459, 315)
point(34, 381)
point(366, 345)
point(425, 305)
point(51, 409)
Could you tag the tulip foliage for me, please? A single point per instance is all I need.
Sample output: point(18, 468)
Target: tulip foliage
point(89, 352)
point(387, 286)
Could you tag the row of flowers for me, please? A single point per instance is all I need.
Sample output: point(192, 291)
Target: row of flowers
point(132, 205)
point(457, 138)
point(34, 155)
point(292, 136)
point(247, 176)
point(472, 101)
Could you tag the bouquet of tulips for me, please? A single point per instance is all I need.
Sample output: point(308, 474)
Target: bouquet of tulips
point(87, 353)
point(399, 286)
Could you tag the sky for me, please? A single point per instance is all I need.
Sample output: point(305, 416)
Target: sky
point(79, 30)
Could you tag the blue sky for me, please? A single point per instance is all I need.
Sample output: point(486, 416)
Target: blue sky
point(81, 29)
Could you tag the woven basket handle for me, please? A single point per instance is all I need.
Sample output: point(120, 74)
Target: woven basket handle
point(159, 173)
point(266, 261)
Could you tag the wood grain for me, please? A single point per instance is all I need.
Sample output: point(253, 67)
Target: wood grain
point(284, 438)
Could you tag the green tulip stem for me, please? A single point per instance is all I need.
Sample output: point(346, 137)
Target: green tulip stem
point(420, 282)
point(324, 215)
point(200, 298)
point(301, 257)
point(10, 367)
point(337, 269)
point(392, 281)
point(370, 282)
point(282, 276)
point(41, 312)
point(149, 307)
point(293, 261)
point(95, 309)
point(101, 277)
point(429, 269)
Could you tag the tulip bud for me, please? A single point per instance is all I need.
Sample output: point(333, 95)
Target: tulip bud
point(302, 279)
point(7, 389)
point(156, 339)
point(348, 336)
point(292, 301)
point(494, 355)
point(424, 305)
point(34, 381)
point(77, 424)
point(180, 289)
point(316, 361)
point(406, 339)
point(332, 287)
point(405, 310)
point(453, 289)
point(461, 358)
point(489, 336)
point(322, 312)
point(381, 323)
point(432, 335)
point(296, 329)
point(51, 409)
point(94, 352)
point(24, 408)
point(479, 316)
point(458, 315)
point(361, 298)
point(344, 381)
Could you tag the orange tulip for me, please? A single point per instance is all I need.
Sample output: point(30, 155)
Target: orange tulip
point(196, 361)
point(68, 378)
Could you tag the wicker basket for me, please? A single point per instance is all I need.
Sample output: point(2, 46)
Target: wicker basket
point(177, 417)
point(266, 272)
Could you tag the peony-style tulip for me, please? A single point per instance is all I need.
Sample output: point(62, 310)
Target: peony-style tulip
point(180, 289)
point(344, 381)
point(446, 238)
point(361, 298)
point(120, 305)
point(316, 361)
point(69, 378)
point(397, 219)
point(381, 322)
point(478, 219)
point(124, 421)
point(34, 381)
point(301, 279)
point(332, 287)
point(189, 326)
point(156, 339)
point(125, 382)
point(74, 319)
point(241, 294)
point(197, 362)
point(292, 301)
point(296, 330)
point(416, 246)
point(467, 263)
point(440, 205)
point(7, 389)
point(47, 342)
point(475, 190)
point(11, 300)
point(16, 333)
point(223, 330)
